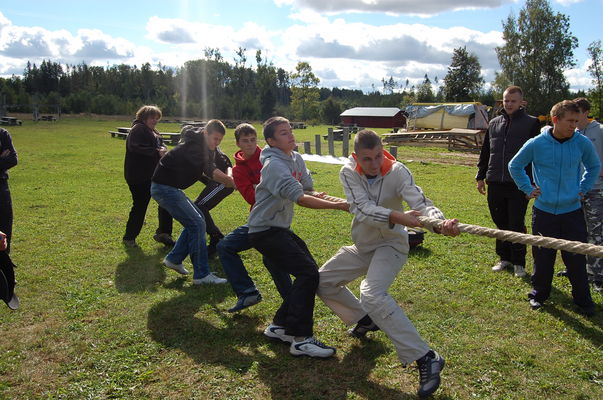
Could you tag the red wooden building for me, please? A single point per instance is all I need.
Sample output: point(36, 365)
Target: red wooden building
point(374, 117)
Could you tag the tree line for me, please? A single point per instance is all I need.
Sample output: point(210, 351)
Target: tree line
point(538, 48)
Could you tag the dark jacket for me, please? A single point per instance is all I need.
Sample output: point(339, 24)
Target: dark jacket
point(142, 153)
point(220, 160)
point(10, 160)
point(186, 163)
point(504, 137)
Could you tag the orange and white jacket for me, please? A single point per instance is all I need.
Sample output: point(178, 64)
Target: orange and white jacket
point(372, 203)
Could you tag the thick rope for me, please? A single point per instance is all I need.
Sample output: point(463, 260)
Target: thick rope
point(508, 236)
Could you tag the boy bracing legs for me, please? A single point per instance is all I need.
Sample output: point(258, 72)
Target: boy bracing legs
point(282, 184)
point(375, 185)
point(246, 174)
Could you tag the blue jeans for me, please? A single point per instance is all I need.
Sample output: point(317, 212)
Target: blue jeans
point(192, 238)
point(238, 277)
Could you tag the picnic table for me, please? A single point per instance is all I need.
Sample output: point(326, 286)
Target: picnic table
point(47, 118)
point(10, 121)
point(122, 133)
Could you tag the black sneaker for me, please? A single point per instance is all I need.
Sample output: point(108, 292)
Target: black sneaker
point(360, 330)
point(212, 247)
point(562, 273)
point(246, 300)
point(430, 366)
point(598, 286)
point(164, 238)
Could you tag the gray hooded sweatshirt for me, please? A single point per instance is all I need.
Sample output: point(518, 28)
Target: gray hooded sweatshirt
point(283, 181)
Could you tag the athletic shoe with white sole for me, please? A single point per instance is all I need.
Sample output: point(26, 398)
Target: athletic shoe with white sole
point(209, 279)
point(246, 300)
point(277, 332)
point(176, 267)
point(311, 347)
point(501, 266)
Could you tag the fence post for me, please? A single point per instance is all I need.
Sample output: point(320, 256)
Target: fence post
point(307, 148)
point(346, 143)
point(330, 142)
point(393, 150)
point(317, 140)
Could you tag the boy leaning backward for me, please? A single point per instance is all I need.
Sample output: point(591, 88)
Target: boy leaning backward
point(284, 178)
point(375, 186)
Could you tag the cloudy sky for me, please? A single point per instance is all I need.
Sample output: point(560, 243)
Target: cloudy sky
point(349, 43)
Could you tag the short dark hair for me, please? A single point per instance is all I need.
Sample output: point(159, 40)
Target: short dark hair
point(514, 89)
point(366, 139)
point(215, 126)
point(244, 129)
point(583, 104)
point(566, 106)
point(270, 126)
point(145, 112)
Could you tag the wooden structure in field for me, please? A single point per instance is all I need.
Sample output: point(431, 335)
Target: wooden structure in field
point(456, 139)
point(374, 117)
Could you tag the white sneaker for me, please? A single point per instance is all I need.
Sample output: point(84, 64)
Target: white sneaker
point(501, 265)
point(277, 332)
point(311, 347)
point(209, 279)
point(176, 267)
point(520, 271)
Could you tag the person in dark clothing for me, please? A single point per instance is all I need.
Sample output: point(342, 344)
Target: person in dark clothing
point(214, 192)
point(8, 159)
point(179, 169)
point(506, 134)
point(144, 149)
point(7, 276)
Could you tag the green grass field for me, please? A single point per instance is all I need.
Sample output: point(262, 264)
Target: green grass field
point(98, 321)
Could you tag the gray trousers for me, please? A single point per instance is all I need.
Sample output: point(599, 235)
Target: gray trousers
point(593, 214)
point(380, 267)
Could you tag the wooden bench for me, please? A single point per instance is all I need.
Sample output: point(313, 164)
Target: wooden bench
point(47, 118)
point(10, 121)
point(297, 125)
point(123, 132)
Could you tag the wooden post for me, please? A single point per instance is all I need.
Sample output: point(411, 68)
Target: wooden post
point(393, 150)
point(317, 139)
point(307, 148)
point(330, 142)
point(346, 143)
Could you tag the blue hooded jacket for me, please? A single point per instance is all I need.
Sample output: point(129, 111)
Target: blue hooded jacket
point(557, 170)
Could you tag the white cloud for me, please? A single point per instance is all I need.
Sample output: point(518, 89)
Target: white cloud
point(394, 7)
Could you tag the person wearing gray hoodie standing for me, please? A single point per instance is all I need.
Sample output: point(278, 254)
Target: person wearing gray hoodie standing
point(284, 178)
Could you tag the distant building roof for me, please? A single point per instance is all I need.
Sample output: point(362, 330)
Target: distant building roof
point(370, 112)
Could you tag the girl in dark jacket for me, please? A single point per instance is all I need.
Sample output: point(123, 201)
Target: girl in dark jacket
point(144, 149)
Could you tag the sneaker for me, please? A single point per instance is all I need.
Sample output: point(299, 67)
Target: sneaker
point(212, 247)
point(360, 330)
point(246, 300)
point(130, 243)
point(598, 286)
point(501, 265)
point(278, 332)
point(520, 271)
point(209, 279)
point(164, 238)
point(176, 267)
point(311, 347)
point(430, 366)
point(562, 273)
point(14, 302)
point(535, 304)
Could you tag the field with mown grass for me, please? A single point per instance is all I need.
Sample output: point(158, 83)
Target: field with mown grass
point(99, 321)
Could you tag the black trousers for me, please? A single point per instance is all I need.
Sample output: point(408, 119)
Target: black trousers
point(508, 207)
point(6, 212)
point(141, 195)
point(7, 277)
point(568, 226)
point(289, 253)
point(211, 196)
